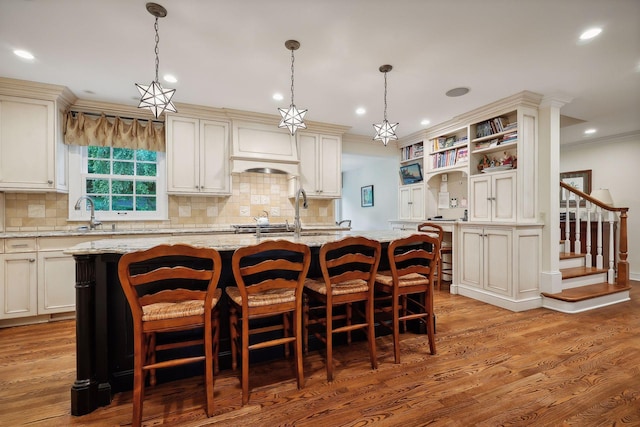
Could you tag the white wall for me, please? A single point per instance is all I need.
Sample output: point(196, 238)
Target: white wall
point(615, 164)
point(382, 173)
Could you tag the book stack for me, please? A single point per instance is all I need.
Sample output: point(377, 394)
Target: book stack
point(495, 125)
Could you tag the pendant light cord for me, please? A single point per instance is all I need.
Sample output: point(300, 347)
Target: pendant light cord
point(157, 50)
point(292, 60)
point(385, 96)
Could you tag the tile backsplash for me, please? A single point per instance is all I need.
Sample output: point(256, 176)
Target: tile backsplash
point(252, 193)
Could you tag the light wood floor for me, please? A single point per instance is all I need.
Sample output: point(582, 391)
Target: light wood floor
point(493, 367)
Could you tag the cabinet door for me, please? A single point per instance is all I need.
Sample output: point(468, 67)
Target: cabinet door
point(503, 201)
point(308, 148)
point(417, 202)
point(497, 260)
point(214, 157)
point(405, 209)
point(470, 258)
point(27, 144)
point(480, 198)
point(56, 282)
point(183, 150)
point(330, 169)
point(18, 285)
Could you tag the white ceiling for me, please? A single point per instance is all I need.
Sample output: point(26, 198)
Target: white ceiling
point(230, 53)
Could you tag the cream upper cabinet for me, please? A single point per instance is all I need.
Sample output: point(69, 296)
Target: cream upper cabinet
point(197, 156)
point(492, 197)
point(411, 202)
point(28, 145)
point(320, 164)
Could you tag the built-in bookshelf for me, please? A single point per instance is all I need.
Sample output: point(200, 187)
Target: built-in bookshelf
point(449, 151)
point(412, 152)
point(494, 144)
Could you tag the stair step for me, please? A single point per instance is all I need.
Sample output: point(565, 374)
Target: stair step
point(570, 255)
point(570, 273)
point(587, 292)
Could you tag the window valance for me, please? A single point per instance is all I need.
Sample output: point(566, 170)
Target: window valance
point(103, 131)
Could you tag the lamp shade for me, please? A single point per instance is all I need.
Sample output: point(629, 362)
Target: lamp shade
point(603, 195)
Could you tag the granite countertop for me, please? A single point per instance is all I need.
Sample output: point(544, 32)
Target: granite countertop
point(226, 242)
point(106, 232)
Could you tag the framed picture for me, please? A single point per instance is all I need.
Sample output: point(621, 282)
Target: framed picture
point(366, 196)
point(580, 180)
point(410, 174)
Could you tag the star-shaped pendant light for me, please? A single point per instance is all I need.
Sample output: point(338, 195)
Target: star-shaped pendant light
point(292, 118)
point(153, 96)
point(385, 131)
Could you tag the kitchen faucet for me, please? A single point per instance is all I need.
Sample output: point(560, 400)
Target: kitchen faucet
point(296, 221)
point(92, 222)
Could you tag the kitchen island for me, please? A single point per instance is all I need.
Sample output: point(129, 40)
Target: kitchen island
point(104, 348)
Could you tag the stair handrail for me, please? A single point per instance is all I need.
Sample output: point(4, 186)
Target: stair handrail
point(623, 264)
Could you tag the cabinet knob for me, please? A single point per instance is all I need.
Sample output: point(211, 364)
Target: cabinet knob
point(32, 260)
point(49, 182)
point(410, 203)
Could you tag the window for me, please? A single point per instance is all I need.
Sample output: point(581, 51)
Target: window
point(124, 183)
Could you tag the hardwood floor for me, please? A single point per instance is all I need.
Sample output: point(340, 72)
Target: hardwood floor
point(493, 367)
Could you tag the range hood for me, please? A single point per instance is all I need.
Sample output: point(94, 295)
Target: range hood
point(263, 148)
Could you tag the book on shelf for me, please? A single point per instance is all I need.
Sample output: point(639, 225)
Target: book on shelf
point(495, 125)
point(462, 155)
point(444, 142)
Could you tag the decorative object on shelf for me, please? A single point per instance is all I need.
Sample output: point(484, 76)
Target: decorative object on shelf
point(385, 131)
point(366, 196)
point(154, 97)
point(580, 180)
point(293, 119)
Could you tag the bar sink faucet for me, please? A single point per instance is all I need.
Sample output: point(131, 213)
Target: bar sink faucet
point(92, 221)
point(297, 226)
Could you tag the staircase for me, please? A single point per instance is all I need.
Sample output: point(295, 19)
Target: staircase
point(585, 286)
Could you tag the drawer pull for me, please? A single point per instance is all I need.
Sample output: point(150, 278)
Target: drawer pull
point(20, 245)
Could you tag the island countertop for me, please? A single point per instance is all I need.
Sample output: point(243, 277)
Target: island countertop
point(226, 242)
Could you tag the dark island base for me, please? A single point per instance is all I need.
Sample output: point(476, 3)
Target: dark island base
point(104, 346)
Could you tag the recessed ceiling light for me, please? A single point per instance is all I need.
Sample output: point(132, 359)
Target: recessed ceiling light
point(23, 54)
point(590, 131)
point(425, 122)
point(360, 111)
point(590, 33)
point(169, 78)
point(458, 91)
point(278, 96)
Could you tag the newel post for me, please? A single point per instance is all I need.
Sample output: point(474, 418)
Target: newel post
point(623, 265)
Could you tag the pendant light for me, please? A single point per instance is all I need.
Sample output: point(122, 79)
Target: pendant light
point(154, 96)
point(385, 131)
point(292, 118)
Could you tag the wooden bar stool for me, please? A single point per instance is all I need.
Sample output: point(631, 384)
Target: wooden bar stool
point(171, 288)
point(270, 278)
point(349, 270)
point(412, 260)
point(445, 266)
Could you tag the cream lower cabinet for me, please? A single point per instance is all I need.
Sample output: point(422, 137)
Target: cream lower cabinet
point(492, 197)
point(37, 278)
point(485, 260)
point(18, 279)
point(411, 202)
point(320, 165)
point(197, 156)
point(500, 265)
point(56, 282)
